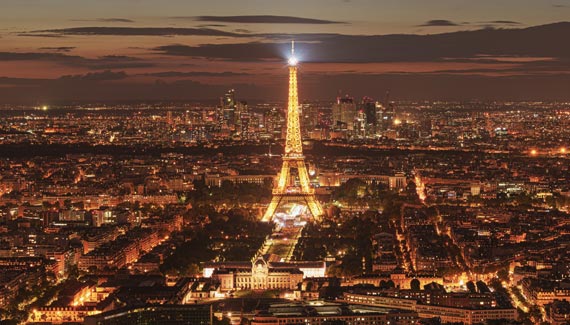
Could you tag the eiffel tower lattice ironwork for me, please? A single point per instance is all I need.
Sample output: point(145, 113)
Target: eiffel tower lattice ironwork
point(285, 190)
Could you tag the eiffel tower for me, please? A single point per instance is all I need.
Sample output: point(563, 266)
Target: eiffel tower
point(285, 190)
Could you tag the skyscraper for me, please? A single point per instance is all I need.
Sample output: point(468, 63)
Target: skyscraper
point(368, 107)
point(343, 113)
point(228, 104)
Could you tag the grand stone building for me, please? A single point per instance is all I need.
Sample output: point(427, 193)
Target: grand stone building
point(262, 274)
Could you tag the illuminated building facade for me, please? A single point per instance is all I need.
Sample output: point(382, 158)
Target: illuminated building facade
point(262, 274)
point(197, 314)
point(228, 107)
point(447, 314)
point(344, 113)
point(319, 312)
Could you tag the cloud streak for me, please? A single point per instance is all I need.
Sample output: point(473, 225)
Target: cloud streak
point(58, 48)
point(108, 20)
point(260, 19)
point(511, 62)
point(540, 41)
point(449, 23)
point(132, 31)
point(503, 22)
point(178, 74)
point(315, 86)
point(96, 76)
point(438, 23)
point(100, 63)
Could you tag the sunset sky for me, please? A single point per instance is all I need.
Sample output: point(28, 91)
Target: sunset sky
point(105, 50)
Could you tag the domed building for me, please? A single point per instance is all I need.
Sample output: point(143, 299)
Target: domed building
point(263, 273)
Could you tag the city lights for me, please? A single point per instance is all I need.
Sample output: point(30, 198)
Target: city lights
point(533, 152)
point(190, 163)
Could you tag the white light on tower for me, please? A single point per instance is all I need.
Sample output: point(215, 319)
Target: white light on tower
point(293, 60)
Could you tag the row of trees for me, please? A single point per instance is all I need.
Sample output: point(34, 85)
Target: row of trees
point(229, 193)
point(232, 235)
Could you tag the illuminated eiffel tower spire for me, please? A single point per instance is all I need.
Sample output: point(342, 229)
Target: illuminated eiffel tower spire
point(284, 191)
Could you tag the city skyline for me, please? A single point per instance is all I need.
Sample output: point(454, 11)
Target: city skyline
point(346, 162)
point(58, 51)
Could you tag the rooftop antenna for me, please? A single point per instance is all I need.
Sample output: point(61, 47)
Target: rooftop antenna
point(292, 47)
point(293, 60)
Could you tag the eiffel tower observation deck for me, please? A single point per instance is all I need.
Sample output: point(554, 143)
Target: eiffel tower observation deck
point(287, 188)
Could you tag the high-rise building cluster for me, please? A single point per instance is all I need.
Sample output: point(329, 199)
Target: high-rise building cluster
point(364, 119)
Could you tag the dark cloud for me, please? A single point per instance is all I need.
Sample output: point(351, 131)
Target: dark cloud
point(312, 86)
point(40, 35)
point(106, 75)
point(240, 51)
point(108, 20)
point(261, 19)
point(539, 41)
point(135, 31)
point(503, 22)
point(448, 23)
point(541, 67)
point(71, 90)
point(100, 63)
point(438, 23)
point(211, 25)
point(544, 79)
point(117, 62)
point(96, 76)
point(174, 74)
point(58, 49)
point(116, 20)
point(7, 81)
point(439, 86)
point(25, 56)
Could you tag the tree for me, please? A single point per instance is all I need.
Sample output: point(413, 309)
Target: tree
point(535, 313)
point(503, 275)
point(471, 286)
point(482, 287)
point(223, 321)
point(350, 191)
point(415, 285)
point(191, 270)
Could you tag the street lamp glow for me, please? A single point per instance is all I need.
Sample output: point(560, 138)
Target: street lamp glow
point(533, 152)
